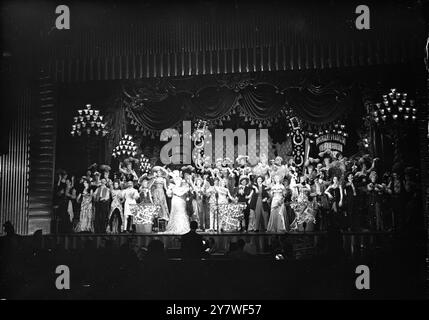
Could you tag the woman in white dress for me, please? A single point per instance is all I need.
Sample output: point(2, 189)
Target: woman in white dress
point(276, 222)
point(179, 221)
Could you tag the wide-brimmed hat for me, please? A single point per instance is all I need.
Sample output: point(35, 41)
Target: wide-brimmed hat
point(227, 161)
point(157, 168)
point(243, 178)
point(105, 167)
point(278, 158)
point(93, 167)
point(240, 157)
point(326, 154)
point(312, 161)
point(187, 169)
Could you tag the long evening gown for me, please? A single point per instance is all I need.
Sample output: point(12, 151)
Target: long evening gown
point(276, 222)
point(86, 220)
point(159, 198)
point(179, 221)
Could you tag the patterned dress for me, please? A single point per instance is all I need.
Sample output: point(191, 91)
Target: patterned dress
point(159, 197)
point(230, 214)
point(86, 220)
point(145, 212)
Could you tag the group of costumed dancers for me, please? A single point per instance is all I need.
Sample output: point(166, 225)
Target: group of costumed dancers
point(227, 196)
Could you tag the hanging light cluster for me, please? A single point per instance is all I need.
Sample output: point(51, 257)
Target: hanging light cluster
point(395, 106)
point(145, 165)
point(89, 121)
point(126, 147)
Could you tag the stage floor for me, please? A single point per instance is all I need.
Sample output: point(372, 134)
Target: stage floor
point(260, 242)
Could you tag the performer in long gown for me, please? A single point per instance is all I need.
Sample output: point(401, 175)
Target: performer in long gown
point(276, 223)
point(158, 191)
point(116, 215)
point(86, 220)
point(179, 221)
point(230, 214)
point(301, 204)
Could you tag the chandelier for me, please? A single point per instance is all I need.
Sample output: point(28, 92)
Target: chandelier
point(395, 107)
point(145, 165)
point(126, 147)
point(88, 121)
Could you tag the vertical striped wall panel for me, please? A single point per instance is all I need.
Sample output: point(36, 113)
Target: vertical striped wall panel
point(14, 168)
point(42, 158)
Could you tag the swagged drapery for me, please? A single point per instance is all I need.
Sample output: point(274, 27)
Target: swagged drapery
point(155, 107)
point(318, 104)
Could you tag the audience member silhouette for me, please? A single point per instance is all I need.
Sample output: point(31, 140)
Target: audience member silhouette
point(155, 250)
point(192, 243)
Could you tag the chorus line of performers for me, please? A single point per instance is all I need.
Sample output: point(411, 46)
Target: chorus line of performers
point(272, 196)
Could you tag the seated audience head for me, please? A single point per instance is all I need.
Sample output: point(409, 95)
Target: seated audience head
point(194, 225)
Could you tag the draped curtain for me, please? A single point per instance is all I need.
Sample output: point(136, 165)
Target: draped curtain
point(314, 105)
point(261, 103)
point(318, 105)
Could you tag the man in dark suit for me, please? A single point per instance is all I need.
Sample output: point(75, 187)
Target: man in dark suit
point(259, 206)
point(192, 243)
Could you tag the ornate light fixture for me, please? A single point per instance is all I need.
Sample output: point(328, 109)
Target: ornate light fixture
point(89, 121)
point(145, 165)
point(126, 147)
point(395, 107)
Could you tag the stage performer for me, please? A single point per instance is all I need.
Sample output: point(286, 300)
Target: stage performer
point(350, 196)
point(318, 190)
point(397, 191)
point(276, 222)
point(158, 187)
point(259, 206)
point(102, 207)
point(261, 169)
point(72, 205)
point(289, 215)
point(227, 212)
point(243, 168)
point(105, 169)
point(130, 195)
point(116, 219)
point(197, 201)
point(278, 168)
point(86, 219)
point(304, 214)
point(146, 211)
point(375, 192)
point(96, 182)
point(128, 170)
point(212, 196)
point(335, 195)
point(179, 221)
point(244, 194)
